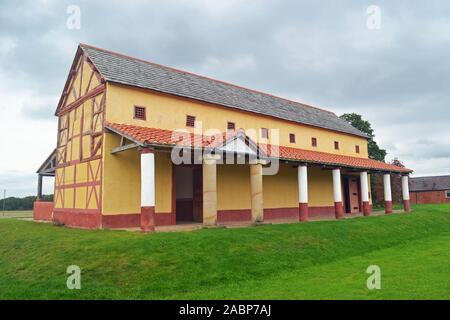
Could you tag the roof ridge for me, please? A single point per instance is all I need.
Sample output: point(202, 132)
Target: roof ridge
point(205, 77)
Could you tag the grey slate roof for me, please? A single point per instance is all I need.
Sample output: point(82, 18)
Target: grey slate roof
point(429, 183)
point(122, 69)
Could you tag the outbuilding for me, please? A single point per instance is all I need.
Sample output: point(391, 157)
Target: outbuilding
point(434, 189)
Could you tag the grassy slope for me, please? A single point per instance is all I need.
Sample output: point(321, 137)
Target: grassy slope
point(315, 260)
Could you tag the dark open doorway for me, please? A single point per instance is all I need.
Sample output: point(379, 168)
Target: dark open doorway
point(188, 193)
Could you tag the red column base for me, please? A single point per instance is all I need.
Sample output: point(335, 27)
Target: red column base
point(388, 207)
point(303, 211)
point(407, 205)
point(366, 208)
point(147, 219)
point(339, 210)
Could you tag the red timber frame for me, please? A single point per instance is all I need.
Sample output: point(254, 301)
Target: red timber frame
point(89, 103)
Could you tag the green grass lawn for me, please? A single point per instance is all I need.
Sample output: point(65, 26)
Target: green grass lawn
point(316, 260)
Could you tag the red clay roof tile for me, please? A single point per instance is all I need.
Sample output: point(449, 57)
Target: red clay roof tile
point(152, 136)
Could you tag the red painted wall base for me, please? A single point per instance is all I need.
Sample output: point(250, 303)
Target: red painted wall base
point(133, 220)
point(94, 220)
point(338, 210)
point(43, 210)
point(388, 207)
point(303, 211)
point(367, 209)
point(147, 219)
point(407, 205)
point(281, 213)
point(78, 219)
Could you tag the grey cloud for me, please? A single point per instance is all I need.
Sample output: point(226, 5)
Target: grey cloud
point(19, 183)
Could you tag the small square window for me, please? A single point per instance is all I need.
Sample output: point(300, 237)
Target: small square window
point(336, 145)
point(314, 142)
point(139, 113)
point(190, 121)
point(231, 126)
point(264, 133)
point(291, 138)
point(357, 149)
point(447, 194)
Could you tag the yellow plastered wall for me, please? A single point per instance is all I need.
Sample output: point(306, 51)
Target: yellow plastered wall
point(281, 190)
point(320, 187)
point(122, 180)
point(233, 187)
point(89, 79)
point(169, 112)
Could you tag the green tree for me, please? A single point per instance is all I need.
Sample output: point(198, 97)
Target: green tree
point(375, 152)
point(26, 203)
point(356, 120)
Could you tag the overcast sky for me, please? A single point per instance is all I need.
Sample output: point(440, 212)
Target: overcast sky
point(318, 52)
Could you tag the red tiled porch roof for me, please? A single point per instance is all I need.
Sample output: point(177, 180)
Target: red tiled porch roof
point(152, 136)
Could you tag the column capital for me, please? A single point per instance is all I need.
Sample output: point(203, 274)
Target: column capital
point(144, 150)
point(209, 156)
point(259, 161)
point(210, 159)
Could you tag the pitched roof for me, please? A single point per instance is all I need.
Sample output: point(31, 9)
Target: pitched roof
point(151, 136)
point(429, 183)
point(118, 68)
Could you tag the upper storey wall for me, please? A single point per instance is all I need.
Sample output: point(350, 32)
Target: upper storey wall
point(169, 112)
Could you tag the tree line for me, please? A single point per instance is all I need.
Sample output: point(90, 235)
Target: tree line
point(25, 203)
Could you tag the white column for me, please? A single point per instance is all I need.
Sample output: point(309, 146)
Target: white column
point(365, 193)
point(405, 187)
point(337, 188)
point(302, 177)
point(364, 187)
point(387, 187)
point(147, 179)
point(302, 184)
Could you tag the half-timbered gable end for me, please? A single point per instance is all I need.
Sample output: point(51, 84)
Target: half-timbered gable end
point(80, 139)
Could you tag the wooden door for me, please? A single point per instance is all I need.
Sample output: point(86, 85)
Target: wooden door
point(354, 195)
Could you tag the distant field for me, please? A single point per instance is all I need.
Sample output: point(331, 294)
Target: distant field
point(16, 214)
point(316, 260)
